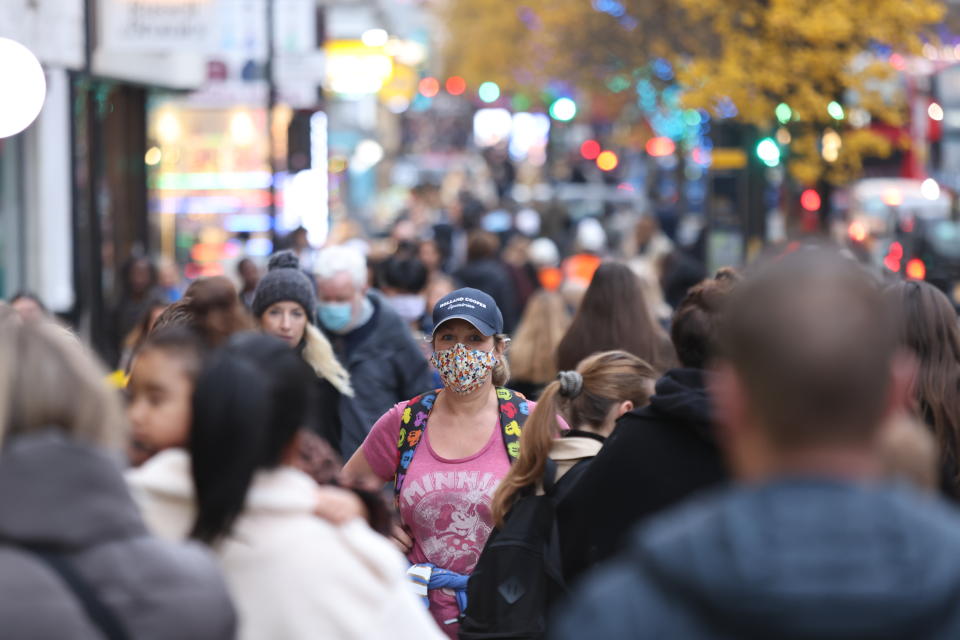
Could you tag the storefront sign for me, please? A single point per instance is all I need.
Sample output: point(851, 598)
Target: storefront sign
point(156, 25)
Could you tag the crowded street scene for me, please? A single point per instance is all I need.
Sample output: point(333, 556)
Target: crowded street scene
point(479, 319)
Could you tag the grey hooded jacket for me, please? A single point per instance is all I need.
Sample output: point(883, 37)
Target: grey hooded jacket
point(69, 498)
point(796, 559)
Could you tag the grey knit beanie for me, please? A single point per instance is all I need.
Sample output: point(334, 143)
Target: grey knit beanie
point(284, 281)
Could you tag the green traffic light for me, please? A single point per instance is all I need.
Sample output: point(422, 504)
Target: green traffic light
point(769, 152)
point(835, 110)
point(784, 113)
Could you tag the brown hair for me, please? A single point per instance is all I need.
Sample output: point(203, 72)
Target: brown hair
point(696, 322)
point(927, 326)
point(614, 315)
point(812, 345)
point(211, 307)
point(501, 371)
point(533, 354)
point(482, 245)
point(608, 378)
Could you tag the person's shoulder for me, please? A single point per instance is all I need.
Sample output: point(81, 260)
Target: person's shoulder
point(619, 600)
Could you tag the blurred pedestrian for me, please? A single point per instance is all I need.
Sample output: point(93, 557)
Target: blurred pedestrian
point(138, 288)
point(533, 352)
point(215, 309)
point(76, 558)
point(168, 280)
point(284, 305)
point(136, 338)
point(485, 271)
point(614, 315)
point(660, 454)
point(443, 488)
point(927, 326)
point(370, 339)
point(299, 242)
point(403, 281)
point(249, 274)
point(29, 306)
point(590, 246)
point(812, 542)
point(590, 399)
point(292, 574)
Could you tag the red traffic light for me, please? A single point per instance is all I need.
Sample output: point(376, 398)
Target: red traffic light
point(429, 87)
point(590, 149)
point(810, 200)
point(456, 85)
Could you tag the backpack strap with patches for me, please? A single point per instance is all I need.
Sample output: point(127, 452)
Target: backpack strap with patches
point(514, 410)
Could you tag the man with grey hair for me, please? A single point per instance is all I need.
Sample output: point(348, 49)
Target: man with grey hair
point(370, 339)
point(812, 542)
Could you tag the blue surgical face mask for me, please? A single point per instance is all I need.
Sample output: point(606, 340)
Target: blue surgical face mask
point(335, 316)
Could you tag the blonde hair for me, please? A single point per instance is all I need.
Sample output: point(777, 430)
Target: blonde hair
point(48, 379)
point(319, 354)
point(608, 378)
point(533, 354)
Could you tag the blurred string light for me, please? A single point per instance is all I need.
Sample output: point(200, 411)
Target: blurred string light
point(617, 10)
point(563, 109)
point(784, 113)
point(456, 85)
point(859, 117)
point(660, 147)
point(898, 62)
point(831, 145)
point(835, 110)
point(489, 92)
point(429, 87)
point(935, 111)
point(726, 109)
point(607, 161)
point(930, 190)
point(24, 85)
point(662, 69)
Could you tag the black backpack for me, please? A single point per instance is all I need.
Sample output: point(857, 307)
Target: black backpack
point(519, 574)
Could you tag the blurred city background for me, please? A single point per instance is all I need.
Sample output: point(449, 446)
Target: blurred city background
point(195, 133)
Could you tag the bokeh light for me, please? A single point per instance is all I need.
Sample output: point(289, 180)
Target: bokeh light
point(24, 87)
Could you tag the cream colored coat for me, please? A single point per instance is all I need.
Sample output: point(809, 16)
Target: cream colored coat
point(292, 575)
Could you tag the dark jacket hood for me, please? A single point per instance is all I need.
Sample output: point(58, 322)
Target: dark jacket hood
point(811, 559)
point(681, 395)
point(57, 492)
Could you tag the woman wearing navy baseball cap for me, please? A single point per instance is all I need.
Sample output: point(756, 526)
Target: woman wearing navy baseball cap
point(447, 450)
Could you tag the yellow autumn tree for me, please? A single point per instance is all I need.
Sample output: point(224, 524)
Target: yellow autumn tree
point(757, 53)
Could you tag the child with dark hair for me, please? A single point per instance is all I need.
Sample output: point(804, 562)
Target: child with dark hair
point(235, 488)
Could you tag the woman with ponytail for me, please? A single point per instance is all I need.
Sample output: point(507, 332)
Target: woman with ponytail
point(603, 387)
point(292, 575)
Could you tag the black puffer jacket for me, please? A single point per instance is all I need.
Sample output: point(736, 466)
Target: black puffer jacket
point(657, 456)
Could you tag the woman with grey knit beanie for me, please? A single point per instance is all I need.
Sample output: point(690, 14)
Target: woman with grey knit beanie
point(283, 305)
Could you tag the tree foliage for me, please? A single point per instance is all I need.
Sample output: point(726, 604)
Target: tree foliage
point(757, 53)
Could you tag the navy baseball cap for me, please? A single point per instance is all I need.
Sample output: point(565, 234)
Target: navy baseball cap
point(472, 305)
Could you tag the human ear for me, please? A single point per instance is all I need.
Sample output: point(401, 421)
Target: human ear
point(625, 407)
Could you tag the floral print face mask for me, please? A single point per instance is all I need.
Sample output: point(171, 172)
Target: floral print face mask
point(463, 370)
